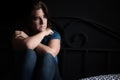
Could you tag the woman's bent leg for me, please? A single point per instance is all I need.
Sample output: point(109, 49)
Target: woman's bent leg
point(26, 63)
point(46, 68)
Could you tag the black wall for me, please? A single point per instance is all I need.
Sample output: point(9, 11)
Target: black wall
point(105, 12)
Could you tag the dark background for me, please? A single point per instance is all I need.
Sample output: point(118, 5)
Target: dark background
point(104, 12)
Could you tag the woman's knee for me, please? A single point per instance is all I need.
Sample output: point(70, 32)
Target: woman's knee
point(50, 57)
point(30, 58)
point(29, 53)
point(47, 58)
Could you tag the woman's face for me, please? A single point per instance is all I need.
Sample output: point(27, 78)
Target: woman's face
point(39, 20)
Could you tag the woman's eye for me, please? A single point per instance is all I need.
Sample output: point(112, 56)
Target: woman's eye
point(35, 18)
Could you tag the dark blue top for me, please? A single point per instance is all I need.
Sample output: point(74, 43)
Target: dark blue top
point(55, 35)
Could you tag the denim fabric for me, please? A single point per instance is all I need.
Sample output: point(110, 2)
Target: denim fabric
point(30, 66)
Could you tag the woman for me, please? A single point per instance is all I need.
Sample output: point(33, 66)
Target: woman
point(36, 47)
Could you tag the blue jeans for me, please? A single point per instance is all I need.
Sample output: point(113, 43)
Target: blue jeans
point(31, 66)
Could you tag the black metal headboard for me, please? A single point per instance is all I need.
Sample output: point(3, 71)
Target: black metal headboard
point(88, 48)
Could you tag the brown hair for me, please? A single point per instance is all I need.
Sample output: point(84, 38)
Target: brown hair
point(40, 5)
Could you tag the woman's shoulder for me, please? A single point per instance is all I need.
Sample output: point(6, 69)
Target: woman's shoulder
point(55, 35)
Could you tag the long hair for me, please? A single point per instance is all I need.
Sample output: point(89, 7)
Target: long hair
point(41, 5)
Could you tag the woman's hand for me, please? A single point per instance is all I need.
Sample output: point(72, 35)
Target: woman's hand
point(22, 34)
point(48, 31)
point(18, 40)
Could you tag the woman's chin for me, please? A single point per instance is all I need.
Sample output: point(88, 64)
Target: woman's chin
point(41, 30)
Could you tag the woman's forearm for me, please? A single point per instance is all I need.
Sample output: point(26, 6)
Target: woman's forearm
point(41, 49)
point(53, 47)
point(33, 41)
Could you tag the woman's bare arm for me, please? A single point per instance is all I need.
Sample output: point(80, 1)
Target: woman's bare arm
point(52, 48)
point(22, 40)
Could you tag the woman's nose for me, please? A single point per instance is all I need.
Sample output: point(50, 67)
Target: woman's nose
point(41, 21)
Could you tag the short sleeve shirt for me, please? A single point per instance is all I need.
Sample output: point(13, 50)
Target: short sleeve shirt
point(55, 35)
